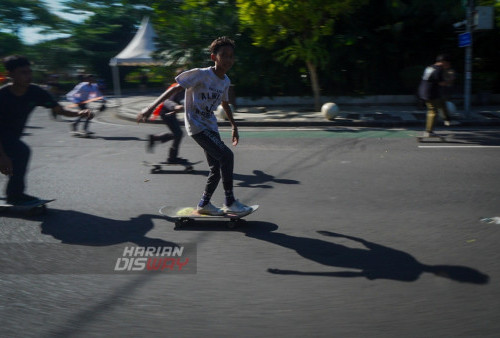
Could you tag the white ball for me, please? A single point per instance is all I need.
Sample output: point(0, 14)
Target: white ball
point(220, 113)
point(452, 109)
point(330, 110)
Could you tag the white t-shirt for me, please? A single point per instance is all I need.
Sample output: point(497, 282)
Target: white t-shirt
point(84, 91)
point(204, 93)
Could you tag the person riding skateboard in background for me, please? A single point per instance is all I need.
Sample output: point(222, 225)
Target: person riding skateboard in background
point(18, 99)
point(85, 90)
point(168, 112)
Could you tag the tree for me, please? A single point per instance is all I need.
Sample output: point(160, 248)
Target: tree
point(186, 27)
point(15, 14)
point(386, 53)
point(105, 33)
point(300, 25)
point(9, 44)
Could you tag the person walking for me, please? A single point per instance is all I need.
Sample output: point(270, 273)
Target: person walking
point(432, 90)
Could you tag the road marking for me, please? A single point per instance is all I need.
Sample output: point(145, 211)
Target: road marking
point(308, 133)
point(464, 146)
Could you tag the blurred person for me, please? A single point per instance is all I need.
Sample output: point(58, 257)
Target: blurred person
point(18, 99)
point(168, 111)
point(80, 95)
point(206, 89)
point(143, 79)
point(435, 80)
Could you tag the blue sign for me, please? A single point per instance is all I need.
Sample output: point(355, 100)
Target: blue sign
point(464, 39)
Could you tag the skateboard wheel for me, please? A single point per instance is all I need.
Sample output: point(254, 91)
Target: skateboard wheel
point(182, 222)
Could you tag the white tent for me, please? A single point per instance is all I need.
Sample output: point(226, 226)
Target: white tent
point(137, 53)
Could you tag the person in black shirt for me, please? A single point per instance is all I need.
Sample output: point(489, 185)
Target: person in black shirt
point(431, 89)
point(17, 101)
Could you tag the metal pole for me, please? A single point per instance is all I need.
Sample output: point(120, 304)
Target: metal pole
point(468, 60)
point(116, 84)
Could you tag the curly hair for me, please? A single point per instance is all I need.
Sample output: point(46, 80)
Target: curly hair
point(220, 42)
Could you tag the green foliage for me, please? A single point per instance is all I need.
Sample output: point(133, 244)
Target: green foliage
point(302, 25)
point(271, 21)
point(10, 44)
point(303, 50)
point(15, 14)
point(376, 54)
point(104, 34)
point(186, 28)
point(357, 46)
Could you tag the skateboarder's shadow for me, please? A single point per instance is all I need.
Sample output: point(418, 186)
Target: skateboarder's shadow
point(75, 227)
point(375, 261)
point(258, 179)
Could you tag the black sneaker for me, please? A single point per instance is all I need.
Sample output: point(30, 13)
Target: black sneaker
point(151, 144)
point(23, 200)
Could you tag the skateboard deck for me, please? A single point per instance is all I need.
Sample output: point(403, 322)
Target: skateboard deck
point(38, 208)
point(185, 215)
point(157, 167)
point(436, 138)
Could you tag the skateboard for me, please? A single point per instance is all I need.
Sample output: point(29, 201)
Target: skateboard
point(157, 167)
point(39, 208)
point(185, 215)
point(431, 138)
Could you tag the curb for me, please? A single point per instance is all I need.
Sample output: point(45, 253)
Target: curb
point(327, 123)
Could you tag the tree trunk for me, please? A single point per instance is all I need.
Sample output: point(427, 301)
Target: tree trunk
point(315, 85)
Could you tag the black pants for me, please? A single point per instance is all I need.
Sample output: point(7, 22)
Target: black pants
point(80, 118)
point(220, 160)
point(19, 153)
point(175, 135)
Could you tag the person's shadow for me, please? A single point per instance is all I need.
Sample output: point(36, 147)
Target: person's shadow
point(374, 262)
point(258, 180)
point(94, 245)
point(75, 227)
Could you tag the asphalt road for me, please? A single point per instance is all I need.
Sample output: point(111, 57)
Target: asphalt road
point(360, 232)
